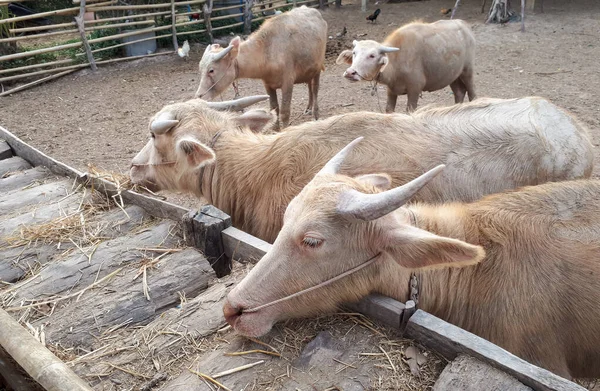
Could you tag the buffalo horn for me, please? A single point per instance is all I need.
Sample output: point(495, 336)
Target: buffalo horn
point(335, 163)
point(222, 53)
point(163, 123)
point(369, 207)
point(238, 104)
point(387, 49)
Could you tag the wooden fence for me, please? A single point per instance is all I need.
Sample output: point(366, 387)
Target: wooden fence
point(81, 50)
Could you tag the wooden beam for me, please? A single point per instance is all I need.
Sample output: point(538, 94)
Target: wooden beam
point(248, 16)
point(173, 28)
point(203, 230)
point(86, 45)
point(35, 83)
point(5, 151)
point(65, 11)
point(450, 341)
point(43, 366)
point(206, 11)
point(381, 308)
point(242, 246)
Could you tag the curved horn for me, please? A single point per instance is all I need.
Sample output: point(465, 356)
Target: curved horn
point(163, 123)
point(387, 49)
point(222, 53)
point(369, 207)
point(335, 163)
point(238, 104)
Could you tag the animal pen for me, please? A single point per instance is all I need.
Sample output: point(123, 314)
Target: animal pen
point(101, 29)
point(103, 287)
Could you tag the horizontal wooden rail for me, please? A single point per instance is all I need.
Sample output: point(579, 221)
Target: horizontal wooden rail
point(65, 11)
point(226, 17)
point(34, 66)
point(231, 7)
point(142, 6)
point(136, 16)
point(225, 27)
point(127, 43)
point(42, 28)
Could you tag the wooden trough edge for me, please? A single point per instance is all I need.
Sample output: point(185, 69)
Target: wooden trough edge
point(210, 230)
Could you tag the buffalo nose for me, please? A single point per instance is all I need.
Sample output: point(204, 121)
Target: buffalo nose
point(350, 72)
point(231, 313)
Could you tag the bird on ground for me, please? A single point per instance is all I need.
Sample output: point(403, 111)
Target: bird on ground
point(374, 15)
point(184, 51)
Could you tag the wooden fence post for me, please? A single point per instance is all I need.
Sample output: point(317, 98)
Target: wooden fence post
point(173, 28)
point(248, 16)
point(203, 231)
point(81, 27)
point(338, 3)
point(207, 10)
point(363, 6)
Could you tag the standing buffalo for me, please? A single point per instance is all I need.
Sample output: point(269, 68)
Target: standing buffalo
point(489, 145)
point(415, 58)
point(520, 269)
point(287, 49)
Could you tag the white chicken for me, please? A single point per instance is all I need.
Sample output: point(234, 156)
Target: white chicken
point(184, 51)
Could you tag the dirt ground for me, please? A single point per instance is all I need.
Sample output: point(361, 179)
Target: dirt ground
point(102, 118)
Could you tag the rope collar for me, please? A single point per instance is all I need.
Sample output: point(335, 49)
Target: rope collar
point(368, 262)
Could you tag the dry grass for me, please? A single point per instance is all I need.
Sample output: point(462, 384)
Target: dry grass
point(120, 180)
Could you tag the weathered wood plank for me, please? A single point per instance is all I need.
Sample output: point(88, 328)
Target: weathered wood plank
point(153, 206)
point(41, 214)
point(16, 262)
point(162, 339)
point(468, 374)
point(451, 341)
point(13, 164)
point(203, 231)
point(79, 271)
point(23, 179)
point(13, 202)
point(122, 300)
point(43, 366)
point(243, 247)
point(35, 156)
point(5, 151)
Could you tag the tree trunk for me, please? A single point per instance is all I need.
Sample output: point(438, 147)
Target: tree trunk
point(500, 12)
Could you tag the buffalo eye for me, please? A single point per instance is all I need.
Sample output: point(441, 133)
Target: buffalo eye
point(372, 56)
point(211, 71)
point(312, 242)
point(152, 135)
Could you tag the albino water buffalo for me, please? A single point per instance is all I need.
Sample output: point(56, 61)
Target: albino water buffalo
point(286, 50)
point(521, 268)
point(417, 57)
point(488, 145)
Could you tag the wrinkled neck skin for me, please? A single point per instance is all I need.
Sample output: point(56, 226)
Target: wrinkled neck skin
point(437, 287)
point(249, 64)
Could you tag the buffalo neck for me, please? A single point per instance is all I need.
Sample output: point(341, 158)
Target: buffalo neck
point(446, 292)
point(248, 62)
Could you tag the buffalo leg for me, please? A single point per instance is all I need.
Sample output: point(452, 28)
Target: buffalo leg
point(391, 102)
point(272, 98)
point(286, 103)
point(413, 99)
point(459, 90)
point(467, 80)
point(310, 97)
point(315, 91)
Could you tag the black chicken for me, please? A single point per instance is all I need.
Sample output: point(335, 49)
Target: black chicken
point(374, 15)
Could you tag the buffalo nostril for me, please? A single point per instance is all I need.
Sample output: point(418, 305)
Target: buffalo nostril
point(231, 313)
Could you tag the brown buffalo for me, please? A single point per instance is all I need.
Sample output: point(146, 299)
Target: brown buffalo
point(520, 268)
point(489, 146)
point(417, 57)
point(287, 49)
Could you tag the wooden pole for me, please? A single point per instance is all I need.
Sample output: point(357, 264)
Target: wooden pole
point(522, 16)
point(483, 6)
point(40, 65)
point(42, 28)
point(207, 10)
point(338, 3)
point(129, 43)
point(96, 8)
point(363, 6)
point(173, 28)
point(43, 366)
point(35, 83)
point(248, 16)
point(454, 9)
point(81, 27)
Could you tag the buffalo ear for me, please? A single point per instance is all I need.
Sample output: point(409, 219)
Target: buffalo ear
point(256, 120)
point(414, 248)
point(195, 153)
point(381, 182)
point(383, 62)
point(345, 57)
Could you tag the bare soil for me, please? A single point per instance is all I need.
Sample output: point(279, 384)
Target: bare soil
point(101, 118)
